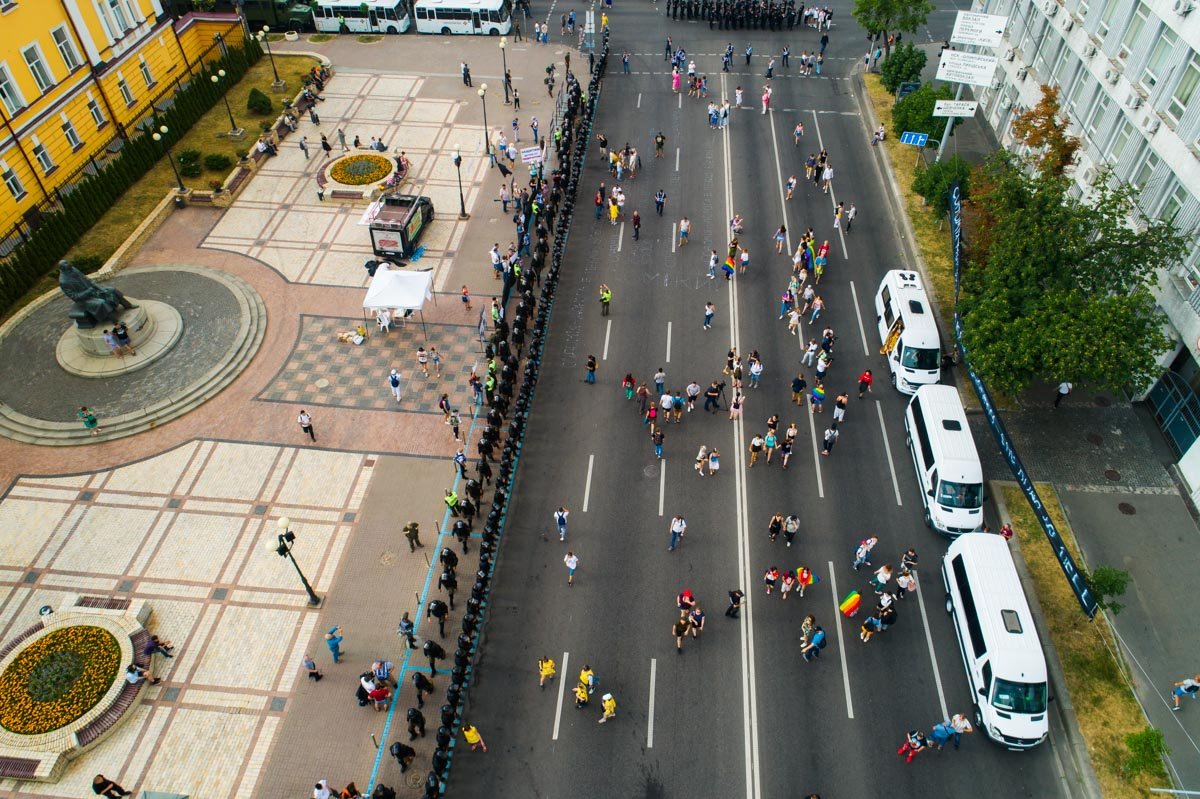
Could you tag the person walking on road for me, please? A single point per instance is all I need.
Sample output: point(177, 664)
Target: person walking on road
point(472, 736)
point(306, 424)
point(678, 528)
point(407, 630)
point(710, 310)
point(605, 299)
point(1187, 687)
point(423, 686)
point(696, 621)
point(680, 630)
point(439, 611)
point(864, 383)
point(546, 670)
point(914, 743)
point(572, 564)
point(831, 437)
point(737, 598)
point(610, 707)
point(416, 724)
point(1064, 388)
point(657, 438)
point(333, 640)
point(587, 679)
point(961, 727)
point(590, 367)
point(815, 643)
point(560, 521)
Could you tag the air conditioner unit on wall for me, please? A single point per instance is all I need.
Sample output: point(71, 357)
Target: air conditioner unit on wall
point(1183, 7)
point(1006, 103)
point(1068, 23)
point(1022, 73)
point(1051, 8)
point(1111, 75)
point(1010, 55)
point(1133, 101)
point(1089, 175)
point(1152, 124)
point(996, 84)
point(1089, 51)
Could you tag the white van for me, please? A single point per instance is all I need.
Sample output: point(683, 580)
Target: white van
point(999, 643)
point(907, 331)
point(947, 464)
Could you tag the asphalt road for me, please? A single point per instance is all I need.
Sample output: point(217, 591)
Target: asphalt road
point(738, 713)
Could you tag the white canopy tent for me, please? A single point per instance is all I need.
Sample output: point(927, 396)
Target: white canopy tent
point(405, 291)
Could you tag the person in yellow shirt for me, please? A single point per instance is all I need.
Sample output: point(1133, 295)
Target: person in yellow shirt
point(581, 696)
point(474, 738)
point(545, 671)
point(610, 709)
point(587, 678)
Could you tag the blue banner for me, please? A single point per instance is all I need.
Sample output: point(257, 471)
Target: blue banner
point(1065, 561)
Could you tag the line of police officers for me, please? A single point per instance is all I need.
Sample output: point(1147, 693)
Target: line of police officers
point(737, 14)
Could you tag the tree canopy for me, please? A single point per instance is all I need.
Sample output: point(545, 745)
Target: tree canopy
point(902, 65)
point(915, 112)
point(1058, 288)
point(887, 16)
point(1044, 129)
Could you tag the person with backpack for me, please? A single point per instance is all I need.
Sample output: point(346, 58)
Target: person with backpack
point(816, 642)
point(560, 521)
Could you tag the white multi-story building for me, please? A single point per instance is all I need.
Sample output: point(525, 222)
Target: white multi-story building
point(1128, 72)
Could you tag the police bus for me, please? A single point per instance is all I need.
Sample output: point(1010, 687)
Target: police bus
point(371, 16)
point(492, 17)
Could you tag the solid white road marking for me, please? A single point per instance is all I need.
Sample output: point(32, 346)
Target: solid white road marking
point(662, 484)
point(862, 333)
point(639, 105)
point(676, 159)
point(674, 236)
point(779, 182)
point(937, 675)
point(887, 448)
point(650, 722)
point(841, 641)
point(668, 342)
point(681, 101)
point(832, 196)
point(562, 682)
point(620, 236)
point(607, 333)
point(587, 486)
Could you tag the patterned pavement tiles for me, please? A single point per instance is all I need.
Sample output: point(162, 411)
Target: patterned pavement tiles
point(185, 531)
point(322, 371)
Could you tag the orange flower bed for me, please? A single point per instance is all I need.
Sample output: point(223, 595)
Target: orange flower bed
point(57, 679)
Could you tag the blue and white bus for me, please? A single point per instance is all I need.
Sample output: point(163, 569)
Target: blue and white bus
point(371, 16)
point(491, 17)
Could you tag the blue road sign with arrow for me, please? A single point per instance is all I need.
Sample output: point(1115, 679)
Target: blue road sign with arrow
point(915, 139)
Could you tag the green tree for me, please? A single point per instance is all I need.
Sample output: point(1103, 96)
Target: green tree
point(1058, 288)
point(258, 102)
point(933, 182)
point(902, 65)
point(882, 17)
point(1107, 584)
point(915, 112)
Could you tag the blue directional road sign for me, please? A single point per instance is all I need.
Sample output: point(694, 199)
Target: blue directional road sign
point(915, 139)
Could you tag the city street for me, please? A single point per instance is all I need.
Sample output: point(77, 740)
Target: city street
point(738, 712)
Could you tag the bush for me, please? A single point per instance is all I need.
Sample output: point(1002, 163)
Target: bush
point(188, 156)
point(1146, 751)
point(258, 103)
point(191, 170)
point(87, 263)
point(915, 112)
point(933, 182)
point(903, 65)
point(216, 162)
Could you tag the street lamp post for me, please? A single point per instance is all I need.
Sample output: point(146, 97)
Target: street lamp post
point(282, 547)
point(264, 37)
point(234, 131)
point(158, 136)
point(487, 144)
point(504, 63)
point(462, 203)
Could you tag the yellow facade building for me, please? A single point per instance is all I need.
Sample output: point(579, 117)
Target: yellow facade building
point(77, 76)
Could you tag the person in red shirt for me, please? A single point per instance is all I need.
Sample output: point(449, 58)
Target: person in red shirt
point(381, 696)
point(864, 383)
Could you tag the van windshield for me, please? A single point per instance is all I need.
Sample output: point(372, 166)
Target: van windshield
point(960, 495)
point(918, 358)
point(1019, 697)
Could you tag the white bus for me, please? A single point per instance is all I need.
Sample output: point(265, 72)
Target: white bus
point(371, 16)
point(493, 17)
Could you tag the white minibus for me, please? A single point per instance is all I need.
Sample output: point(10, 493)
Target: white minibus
point(948, 470)
point(492, 17)
point(907, 331)
point(371, 16)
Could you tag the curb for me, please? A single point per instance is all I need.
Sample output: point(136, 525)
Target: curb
point(1085, 784)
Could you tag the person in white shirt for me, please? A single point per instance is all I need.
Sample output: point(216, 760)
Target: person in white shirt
point(321, 791)
point(678, 528)
point(961, 726)
point(1064, 388)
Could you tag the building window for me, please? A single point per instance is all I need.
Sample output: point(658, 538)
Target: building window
point(9, 94)
point(1164, 45)
point(126, 92)
point(12, 181)
point(1141, 176)
point(1094, 116)
point(37, 67)
point(1185, 88)
point(69, 131)
point(145, 69)
point(1140, 16)
point(94, 109)
point(1119, 142)
point(66, 48)
point(1082, 8)
point(1173, 201)
point(43, 156)
point(119, 15)
point(1107, 12)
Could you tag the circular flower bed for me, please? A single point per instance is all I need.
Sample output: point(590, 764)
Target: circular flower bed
point(359, 170)
point(57, 679)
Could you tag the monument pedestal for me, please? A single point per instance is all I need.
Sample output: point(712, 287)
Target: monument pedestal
point(154, 327)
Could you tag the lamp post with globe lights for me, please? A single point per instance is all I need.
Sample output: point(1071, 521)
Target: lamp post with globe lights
point(158, 136)
point(487, 144)
point(504, 67)
point(235, 132)
point(462, 203)
point(282, 546)
point(263, 37)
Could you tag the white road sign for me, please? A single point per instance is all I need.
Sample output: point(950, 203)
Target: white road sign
point(955, 108)
point(984, 30)
point(956, 66)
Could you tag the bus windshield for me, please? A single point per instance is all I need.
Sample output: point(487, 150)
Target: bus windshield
point(917, 358)
point(960, 495)
point(1019, 697)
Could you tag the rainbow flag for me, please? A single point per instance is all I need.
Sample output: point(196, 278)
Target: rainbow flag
point(850, 604)
point(818, 393)
point(728, 266)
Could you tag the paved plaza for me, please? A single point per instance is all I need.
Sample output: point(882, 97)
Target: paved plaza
point(184, 515)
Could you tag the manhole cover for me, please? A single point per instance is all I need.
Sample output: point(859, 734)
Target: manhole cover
point(322, 383)
point(1126, 508)
point(1095, 438)
point(1103, 401)
point(1112, 474)
point(650, 471)
point(387, 558)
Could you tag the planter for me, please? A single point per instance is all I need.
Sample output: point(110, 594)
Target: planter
point(291, 36)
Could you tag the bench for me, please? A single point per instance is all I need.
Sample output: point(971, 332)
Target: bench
point(256, 155)
point(11, 645)
point(103, 602)
point(200, 198)
point(140, 639)
point(18, 768)
point(239, 177)
point(106, 720)
point(345, 194)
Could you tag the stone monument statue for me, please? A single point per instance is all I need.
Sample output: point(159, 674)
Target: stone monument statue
point(93, 303)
